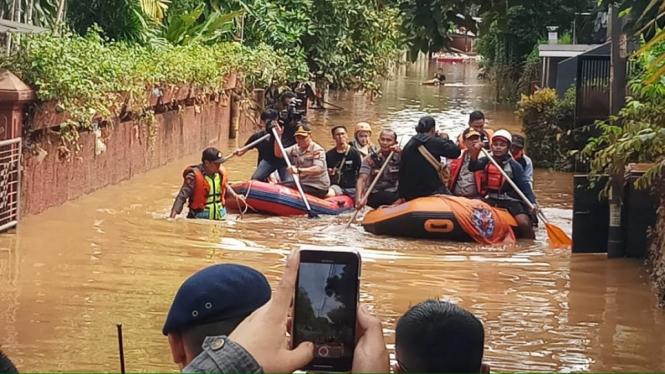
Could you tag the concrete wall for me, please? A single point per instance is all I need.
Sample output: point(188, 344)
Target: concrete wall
point(52, 181)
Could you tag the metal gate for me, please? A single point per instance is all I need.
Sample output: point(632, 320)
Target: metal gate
point(10, 182)
point(593, 89)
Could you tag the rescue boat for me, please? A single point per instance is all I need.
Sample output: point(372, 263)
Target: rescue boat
point(443, 217)
point(276, 199)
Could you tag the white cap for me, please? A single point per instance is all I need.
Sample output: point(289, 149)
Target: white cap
point(503, 134)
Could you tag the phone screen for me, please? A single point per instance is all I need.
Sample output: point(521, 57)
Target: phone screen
point(325, 307)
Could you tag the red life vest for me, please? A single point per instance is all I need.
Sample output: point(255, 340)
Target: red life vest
point(455, 168)
point(493, 180)
point(202, 188)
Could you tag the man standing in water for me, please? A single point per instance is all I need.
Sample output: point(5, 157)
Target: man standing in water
point(205, 188)
point(343, 163)
point(308, 161)
point(477, 122)
point(418, 174)
point(385, 191)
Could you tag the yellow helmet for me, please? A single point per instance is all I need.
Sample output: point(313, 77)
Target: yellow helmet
point(362, 126)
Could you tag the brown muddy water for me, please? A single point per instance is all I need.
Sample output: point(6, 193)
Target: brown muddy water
point(67, 276)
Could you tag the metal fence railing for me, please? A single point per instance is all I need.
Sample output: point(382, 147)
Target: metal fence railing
point(10, 183)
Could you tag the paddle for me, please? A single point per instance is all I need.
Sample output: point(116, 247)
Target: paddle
point(555, 233)
point(250, 145)
point(371, 187)
point(296, 179)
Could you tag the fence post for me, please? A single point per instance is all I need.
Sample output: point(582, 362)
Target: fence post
point(14, 95)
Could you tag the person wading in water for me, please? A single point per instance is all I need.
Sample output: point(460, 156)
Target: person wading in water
point(205, 187)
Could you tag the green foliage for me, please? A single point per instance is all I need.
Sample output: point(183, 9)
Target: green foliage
point(120, 20)
point(91, 78)
point(346, 43)
point(185, 28)
point(637, 134)
point(428, 23)
point(547, 122)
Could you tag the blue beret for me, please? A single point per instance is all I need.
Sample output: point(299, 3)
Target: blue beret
point(217, 293)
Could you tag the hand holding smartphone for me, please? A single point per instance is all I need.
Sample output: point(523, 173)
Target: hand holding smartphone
point(326, 307)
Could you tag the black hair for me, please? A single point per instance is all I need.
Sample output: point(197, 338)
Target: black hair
point(389, 131)
point(336, 128)
point(476, 115)
point(6, 365)
point(286, 95)
point(425, 124)
point(269, 115)
point(194, 336)
point(439, 337)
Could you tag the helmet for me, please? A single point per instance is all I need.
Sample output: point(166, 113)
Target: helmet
point(362, 126)
point(505, 134)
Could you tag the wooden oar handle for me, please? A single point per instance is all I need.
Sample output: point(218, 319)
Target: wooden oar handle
point(296, 179)
point(250, 145)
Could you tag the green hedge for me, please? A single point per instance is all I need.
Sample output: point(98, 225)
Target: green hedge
point(548, 122)
point(88, 75)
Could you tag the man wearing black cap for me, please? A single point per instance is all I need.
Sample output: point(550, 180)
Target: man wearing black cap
point(517, 150)
point(211, 302)
point(204, 187)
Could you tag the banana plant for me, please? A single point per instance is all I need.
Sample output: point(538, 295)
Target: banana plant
point(155, 9)
point(197, 27)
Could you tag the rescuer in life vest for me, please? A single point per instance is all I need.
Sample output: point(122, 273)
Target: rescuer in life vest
point(477, 122)
point(498, 193)
point(204, 186)
point(463, 182)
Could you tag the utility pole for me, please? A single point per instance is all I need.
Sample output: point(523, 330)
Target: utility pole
point(618, 45)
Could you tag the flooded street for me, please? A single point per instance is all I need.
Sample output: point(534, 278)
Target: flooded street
point(68, 275)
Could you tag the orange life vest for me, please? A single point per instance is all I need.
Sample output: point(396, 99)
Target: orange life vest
point(456, 167)
point(202, 187)
point(493, 180)
point(460, 140)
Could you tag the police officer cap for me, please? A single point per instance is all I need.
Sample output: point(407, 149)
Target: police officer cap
point(217, 293)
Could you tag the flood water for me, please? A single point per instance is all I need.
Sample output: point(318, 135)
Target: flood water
point(68, 275)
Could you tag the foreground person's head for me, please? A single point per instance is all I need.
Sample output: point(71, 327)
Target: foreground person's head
point(6, 365)
point(439, 337)
point(212, 302)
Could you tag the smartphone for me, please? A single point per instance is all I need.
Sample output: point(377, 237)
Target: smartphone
point(325, 307)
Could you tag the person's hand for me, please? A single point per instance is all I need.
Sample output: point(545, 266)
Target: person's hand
point(395, 148)
point(443, 135)
point(360, 203)
point(332, 171)
point(371, 354)
point(535, 209)
point(277, 127)
point(237, 152)
point(292, 170)
point(263, 333)
point(399, 201)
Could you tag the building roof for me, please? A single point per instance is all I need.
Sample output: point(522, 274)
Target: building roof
point(564, 50)
point(11, 26)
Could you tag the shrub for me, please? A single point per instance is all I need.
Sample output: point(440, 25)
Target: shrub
point(547, 122)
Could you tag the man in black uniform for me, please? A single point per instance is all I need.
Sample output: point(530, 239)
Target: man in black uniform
point(417, 175)
point(343, 164)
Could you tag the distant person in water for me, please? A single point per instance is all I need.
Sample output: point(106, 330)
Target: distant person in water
point(439, 79)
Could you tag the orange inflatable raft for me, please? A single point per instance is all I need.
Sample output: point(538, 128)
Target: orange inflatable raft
point(269, 198)
point(443, 217)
